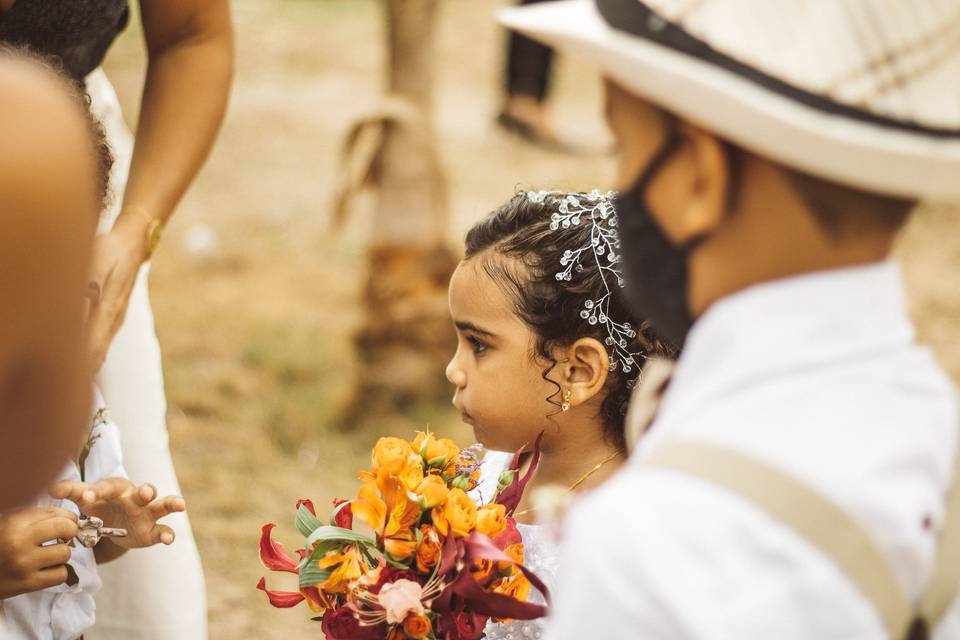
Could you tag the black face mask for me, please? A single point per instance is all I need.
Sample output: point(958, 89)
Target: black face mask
point(656, 270)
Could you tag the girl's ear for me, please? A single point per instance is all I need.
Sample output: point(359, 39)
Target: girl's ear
point(585, 370)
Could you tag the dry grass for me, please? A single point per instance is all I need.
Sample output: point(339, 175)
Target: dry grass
point(256, 333)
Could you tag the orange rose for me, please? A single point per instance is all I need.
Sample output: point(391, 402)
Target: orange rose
point(482, 570)
point(428, 551)
point(515, 551)
point(433, 490)
point(517, 587)
point(457, 515)
point(431, 447)
point(391, 454)
point(491, 519)
point(412, 474)
point(417, 626)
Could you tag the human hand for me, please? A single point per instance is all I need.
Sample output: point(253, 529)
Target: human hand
point(117, 257)
point(25, 564)
point(122, 504)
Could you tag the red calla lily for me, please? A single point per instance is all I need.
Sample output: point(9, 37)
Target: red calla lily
point(280, 599)
point(272, 554)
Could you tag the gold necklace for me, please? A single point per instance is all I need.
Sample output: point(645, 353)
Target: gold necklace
point(576, 484)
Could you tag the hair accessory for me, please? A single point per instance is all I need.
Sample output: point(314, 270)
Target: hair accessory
point(601, 250)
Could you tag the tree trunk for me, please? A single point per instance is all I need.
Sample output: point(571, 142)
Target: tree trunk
point(406, 336)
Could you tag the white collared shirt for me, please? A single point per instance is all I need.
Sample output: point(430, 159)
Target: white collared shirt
point(66, 612)
point(818, 375)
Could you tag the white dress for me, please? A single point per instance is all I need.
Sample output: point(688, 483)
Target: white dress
point(541, 553)
point(157, 593)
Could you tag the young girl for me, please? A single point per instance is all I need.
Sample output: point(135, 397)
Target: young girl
point(546, 344)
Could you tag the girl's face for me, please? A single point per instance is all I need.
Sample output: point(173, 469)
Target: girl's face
point(500, 389)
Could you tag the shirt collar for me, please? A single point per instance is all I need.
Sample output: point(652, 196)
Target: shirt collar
point(786, 325)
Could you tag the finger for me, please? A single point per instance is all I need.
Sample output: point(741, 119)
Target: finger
point(108, 314)
point(101, 264)
point(74, 491)
point(51, 556)
point(98, 334)
point(46, 578)
point(58, 528)
point(166, 506)
point(162, 534)
point(145, 494)
point(34, 515)
point(110, 489)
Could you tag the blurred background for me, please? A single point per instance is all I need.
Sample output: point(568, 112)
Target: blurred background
point(259, 295)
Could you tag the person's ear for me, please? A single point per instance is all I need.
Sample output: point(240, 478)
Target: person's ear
point(692, 194)
point(708, 202)
point(585, 371)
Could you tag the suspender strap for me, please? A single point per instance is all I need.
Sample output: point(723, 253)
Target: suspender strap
point(812, 516)
point(942, 588)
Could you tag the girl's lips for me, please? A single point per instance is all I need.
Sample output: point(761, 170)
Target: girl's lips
point(466, 417)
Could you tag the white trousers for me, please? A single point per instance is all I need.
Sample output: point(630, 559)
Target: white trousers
point(156, 593)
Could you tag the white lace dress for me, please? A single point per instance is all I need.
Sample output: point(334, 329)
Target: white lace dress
point(541, 553)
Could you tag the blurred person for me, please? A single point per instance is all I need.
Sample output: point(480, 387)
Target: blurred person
point(800, 479)
point(527, 78)
point(546, 343)
point(47, 588)
point(48, 200)
point(153, 594)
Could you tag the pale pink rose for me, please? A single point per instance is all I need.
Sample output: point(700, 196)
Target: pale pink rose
point(400, 599)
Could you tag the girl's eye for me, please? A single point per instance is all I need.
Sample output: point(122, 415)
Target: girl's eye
point(477, 345)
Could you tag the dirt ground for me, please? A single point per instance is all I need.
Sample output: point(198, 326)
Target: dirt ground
point(255, 296)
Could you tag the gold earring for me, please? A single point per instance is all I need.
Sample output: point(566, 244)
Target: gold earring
point(566, 400)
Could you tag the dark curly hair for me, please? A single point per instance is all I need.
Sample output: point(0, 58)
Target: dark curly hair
point(78, 92)
point(520, 230)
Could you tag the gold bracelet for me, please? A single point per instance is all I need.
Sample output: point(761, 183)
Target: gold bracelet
point(154, 229)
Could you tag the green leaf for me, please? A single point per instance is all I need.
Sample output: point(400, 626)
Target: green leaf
point(319, 550)
point(440, 462)
point(337, 534)
point(393, 562)
point(333, 516)
point(307, 523)
point(312, 575)
point(505, 480)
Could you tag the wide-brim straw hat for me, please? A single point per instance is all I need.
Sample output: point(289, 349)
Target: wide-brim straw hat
point(861, 92)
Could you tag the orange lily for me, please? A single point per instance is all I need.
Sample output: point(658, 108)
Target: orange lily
point(349, 567)
point(383, 505)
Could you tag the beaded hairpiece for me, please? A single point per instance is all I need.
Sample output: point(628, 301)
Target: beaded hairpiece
point(601, 250)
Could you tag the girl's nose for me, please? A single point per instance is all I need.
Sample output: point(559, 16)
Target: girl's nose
point(455, 374)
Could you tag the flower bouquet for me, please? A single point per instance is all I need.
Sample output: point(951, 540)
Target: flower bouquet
point(412, 556)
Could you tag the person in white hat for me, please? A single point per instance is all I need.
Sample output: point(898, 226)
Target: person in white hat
point(798, 479)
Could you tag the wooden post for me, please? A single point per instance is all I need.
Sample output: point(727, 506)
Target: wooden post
point(406, 336)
